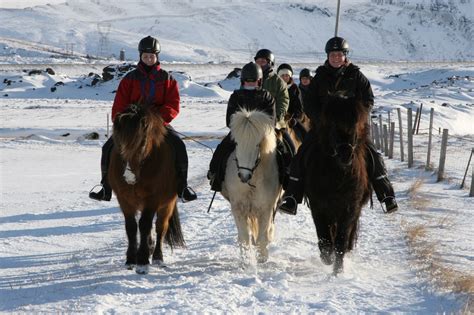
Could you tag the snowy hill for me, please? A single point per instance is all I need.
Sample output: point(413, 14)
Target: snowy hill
point(232, 30)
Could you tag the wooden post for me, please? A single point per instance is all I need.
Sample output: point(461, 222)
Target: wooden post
point(381, 132)
point(471, 193)
point(392, 139)
point(400, 131)
point(442, 155)
point(416, 119)
point(385, 139)
point(410, 139)
point(467, 168)
point(430, 137)
point(389, 122)
point(377, 138)
point(419, 118)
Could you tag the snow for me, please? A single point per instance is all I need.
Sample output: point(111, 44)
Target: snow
point(62, 252)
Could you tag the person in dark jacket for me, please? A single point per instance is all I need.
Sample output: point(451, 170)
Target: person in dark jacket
point(149, 83)
point(305, 80)
point(295, 110)
point(337, 74)
point(250, 96)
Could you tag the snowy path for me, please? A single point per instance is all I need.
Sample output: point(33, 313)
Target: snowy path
point(62, 252)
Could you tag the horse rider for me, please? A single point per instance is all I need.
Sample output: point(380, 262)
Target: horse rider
point(295, 109)
point(305, 80)
point(150, 84)
point(250, 96)
point(277, 88)
point(337, 74)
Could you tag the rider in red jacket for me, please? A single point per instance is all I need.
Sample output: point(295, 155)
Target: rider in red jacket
point(148, 83)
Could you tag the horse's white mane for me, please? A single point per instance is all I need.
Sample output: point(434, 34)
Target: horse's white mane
point(249, 128)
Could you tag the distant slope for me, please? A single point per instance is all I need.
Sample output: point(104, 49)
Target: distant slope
point(232, 30)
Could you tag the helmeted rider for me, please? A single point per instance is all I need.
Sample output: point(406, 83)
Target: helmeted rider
point(305, 80)
point(277, 88)
point(250, 96)
point(295, 109)
point(148, 83)
point(337, 74)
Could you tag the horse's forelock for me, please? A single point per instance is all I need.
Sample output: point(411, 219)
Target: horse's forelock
point(250, 126)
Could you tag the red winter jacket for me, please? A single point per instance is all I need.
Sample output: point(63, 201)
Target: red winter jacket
point(166, 95)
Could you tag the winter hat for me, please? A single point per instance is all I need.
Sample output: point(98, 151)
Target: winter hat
point(305, 73)
point(285, 68)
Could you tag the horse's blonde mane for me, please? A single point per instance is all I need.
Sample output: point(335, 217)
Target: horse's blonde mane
point(251, 127)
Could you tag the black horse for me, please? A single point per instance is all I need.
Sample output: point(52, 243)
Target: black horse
point(336, 182)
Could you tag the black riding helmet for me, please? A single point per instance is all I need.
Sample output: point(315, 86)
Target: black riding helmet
point(149, 45)
point(305, 73)
point(337, 44)
point(266, 54)
point(251, 72)
point(286, 66)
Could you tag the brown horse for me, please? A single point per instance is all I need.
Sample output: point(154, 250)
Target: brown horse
point(142, 175)
point(336, 181)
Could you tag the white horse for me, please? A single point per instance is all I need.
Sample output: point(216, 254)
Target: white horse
point(251, 182)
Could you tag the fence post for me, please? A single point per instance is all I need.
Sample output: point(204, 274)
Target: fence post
point(381, 132)
point(410, 139)
point(389, 121)
point(430, 137)
point(442, 155)
point(385, 139)
point(467, 168)
point(419, 118)
point(471, 193)
point(376, 135)
point(400, 131)
point(416, 119)
point(392, 139)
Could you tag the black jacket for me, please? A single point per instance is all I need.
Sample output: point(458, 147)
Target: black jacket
point(251, 100)
point(296, 104)
point(347, 81)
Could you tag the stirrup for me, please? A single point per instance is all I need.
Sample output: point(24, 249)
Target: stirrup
point(95, 195)
point(287, 210)
point(193, 196)
point(389, 210)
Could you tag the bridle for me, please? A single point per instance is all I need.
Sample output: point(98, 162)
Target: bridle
point(251, 170)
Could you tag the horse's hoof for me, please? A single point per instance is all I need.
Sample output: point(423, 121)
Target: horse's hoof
point(327, 259)
point(142, 269)
point(159, 263)
point(130, 266)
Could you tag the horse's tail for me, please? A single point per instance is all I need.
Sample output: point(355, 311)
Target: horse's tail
point(174, 235)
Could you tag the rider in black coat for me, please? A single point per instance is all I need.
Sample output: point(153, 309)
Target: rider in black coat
point(251, 97)
point(337, 75)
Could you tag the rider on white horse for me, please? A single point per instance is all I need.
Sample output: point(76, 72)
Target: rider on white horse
point(250, 96)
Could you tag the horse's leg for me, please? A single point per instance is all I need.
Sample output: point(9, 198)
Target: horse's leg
point(325, 244)
point(241, 222)
point(344, 231)
point(265, 234)
point(143, 254)
point(162, 222)
point(131, 229)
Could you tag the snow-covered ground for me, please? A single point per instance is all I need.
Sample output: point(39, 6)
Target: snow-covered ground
point(62, 252)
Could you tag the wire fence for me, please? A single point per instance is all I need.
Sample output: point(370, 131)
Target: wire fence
point(422, 143)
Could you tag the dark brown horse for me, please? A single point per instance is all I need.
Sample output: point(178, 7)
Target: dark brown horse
point(336, 182)
point(142, 175)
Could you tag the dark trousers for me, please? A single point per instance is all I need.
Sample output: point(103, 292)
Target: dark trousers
point(181, 158)
point(218, 162)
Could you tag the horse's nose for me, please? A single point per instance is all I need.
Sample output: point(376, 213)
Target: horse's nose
point(244, 178)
